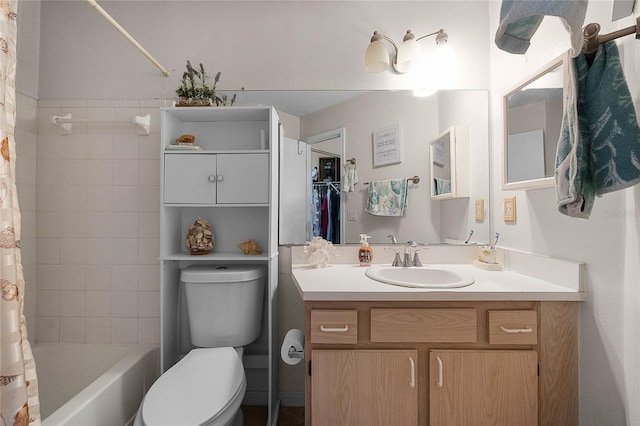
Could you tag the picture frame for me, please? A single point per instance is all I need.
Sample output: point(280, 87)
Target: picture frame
point(386, 146)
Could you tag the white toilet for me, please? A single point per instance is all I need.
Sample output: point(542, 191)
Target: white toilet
point(206, 386)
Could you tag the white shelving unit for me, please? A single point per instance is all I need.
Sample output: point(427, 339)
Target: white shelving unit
point(233, 183)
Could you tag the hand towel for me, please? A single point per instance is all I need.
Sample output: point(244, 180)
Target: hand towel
point(387, 197)
point(350, 178)
point(519, 20)
point(599, 145)
point(574, 186)
point(442, 186)
point(613, 125)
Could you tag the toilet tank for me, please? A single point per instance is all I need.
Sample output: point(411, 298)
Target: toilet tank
point(224, 304)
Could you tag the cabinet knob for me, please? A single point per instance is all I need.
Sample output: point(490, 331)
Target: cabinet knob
point(212, 178)
point(219, 178)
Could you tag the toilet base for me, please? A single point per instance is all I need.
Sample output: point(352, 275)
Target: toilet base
point(237, 420)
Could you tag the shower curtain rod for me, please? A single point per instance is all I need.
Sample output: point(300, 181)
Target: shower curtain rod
point(128, 36)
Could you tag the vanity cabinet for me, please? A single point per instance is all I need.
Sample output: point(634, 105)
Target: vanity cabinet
point(232, 182)
point(470, 362)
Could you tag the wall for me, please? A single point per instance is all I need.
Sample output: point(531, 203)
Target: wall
point(98, 199)
point(607, 242)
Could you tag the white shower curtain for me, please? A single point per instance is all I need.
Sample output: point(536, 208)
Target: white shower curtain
point(19, 404)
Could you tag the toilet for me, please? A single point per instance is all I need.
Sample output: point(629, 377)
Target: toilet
point(207, 386)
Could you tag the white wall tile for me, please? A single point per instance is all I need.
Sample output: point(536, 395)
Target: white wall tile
point(149, 304)
point(48, 224)
point(99, 251)
point(48, 304)
point(99, 198)
point(149, 197)
point(125, 172)
point(149, 172)
point(48, 197)
point(98, 304)
point(48, 329)
point(99, 146)
point(72, 303)
point(125, 251)
point(72, 330)
point(72, 277)
point(72, 251)
point(48, 277)
point(149, 253)
point(73, 172)
point(149, 225)
point(48, 251)
point(48, 171)
point(73, 224)
point(149, 278)
point(125, 225)
point(99, 172)
point(126, 147)
point(99, 224)
point(98, 277)
point(149, 330)
point(73, 147)
point(125, 198)
point(150, 147)
point(98, 330)
point(124, 330)
point(73, 198)
point(124, 304)
point(124, 277)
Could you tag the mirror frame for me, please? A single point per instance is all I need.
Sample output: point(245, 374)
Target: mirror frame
point(546, 182)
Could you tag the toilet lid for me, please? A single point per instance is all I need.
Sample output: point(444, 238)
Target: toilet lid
point(196, 389)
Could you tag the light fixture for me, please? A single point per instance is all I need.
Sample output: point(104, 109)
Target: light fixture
point(406, 57)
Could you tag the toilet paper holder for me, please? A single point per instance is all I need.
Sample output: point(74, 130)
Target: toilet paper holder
point(293, 353)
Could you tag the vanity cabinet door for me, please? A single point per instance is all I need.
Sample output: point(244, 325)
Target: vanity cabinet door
point(364, 387)
point(483, 387)
point(243, 178)
point(190, 178)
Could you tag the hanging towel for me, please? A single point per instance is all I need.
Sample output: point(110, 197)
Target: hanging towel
point(599, 145)
point(387, 197)
point(350, 177)
point(519, 20)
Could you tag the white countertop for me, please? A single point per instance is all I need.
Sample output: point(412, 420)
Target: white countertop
point(348, 282)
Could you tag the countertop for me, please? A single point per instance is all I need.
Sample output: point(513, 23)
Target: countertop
point(348, 282)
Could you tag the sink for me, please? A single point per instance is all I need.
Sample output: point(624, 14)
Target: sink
point(420, 277)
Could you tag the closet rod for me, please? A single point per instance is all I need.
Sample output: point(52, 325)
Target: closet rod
point(128, 36)
point(592, 39)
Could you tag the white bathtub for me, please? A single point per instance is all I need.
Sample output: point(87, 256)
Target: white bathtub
point(92, 384)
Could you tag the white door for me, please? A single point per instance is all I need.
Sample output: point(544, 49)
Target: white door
point(189, 179)
point(243, 179)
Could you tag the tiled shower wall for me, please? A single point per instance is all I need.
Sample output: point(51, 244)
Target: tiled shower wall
point(97, 224)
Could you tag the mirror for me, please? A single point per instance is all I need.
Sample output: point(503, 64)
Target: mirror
point(449, 164)
point(532, 119)
point(352, 118)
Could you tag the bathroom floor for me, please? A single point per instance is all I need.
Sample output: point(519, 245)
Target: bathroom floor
point(288, 416)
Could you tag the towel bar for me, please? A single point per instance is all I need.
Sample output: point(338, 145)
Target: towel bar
point(414, 179)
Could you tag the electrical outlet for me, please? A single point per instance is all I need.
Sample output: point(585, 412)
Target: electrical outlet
point(352, 214)
point(479, 210)
point(510, 209)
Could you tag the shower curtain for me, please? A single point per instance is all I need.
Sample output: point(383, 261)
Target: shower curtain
point(19, 404)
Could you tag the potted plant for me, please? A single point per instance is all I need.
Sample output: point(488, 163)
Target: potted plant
point(195, 89)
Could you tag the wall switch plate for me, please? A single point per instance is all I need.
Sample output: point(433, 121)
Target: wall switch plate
point(352, 214)
point(479, 210)
point(510, 209)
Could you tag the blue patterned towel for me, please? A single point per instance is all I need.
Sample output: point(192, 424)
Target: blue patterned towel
point(519, 20)
point(387, 197)
point(599, 145)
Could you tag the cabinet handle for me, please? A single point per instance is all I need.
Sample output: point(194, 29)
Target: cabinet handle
point(334, 329)
point(412, 382)
point(440, 372)
point(220, 178)
point(212, 178)
point(516, 330)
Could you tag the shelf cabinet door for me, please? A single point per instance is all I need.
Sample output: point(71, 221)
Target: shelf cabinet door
point(190, 179)
point(484, 387)
point(364, 387)
point(243, 178)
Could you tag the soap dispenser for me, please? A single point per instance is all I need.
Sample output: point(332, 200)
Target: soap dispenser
point(365, 253)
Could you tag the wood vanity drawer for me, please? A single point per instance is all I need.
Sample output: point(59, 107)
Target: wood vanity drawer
point(334, 326)
point(424, 325)
point(513, 327)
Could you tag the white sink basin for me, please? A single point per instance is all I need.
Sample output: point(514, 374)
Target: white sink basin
point(421, 277)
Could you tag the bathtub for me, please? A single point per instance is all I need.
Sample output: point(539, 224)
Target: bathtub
point(93, 384)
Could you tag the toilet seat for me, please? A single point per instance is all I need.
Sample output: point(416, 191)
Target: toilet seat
point(197, 390)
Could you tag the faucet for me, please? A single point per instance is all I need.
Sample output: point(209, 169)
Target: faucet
point(407, 253)
point(392, 238)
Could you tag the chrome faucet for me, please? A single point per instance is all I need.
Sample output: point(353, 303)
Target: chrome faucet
point(396, 261)
point(407, 253)
point(392, 238)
